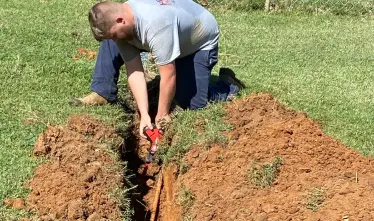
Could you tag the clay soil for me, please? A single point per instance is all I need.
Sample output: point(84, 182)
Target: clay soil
point(263, 129)
point(79, 175)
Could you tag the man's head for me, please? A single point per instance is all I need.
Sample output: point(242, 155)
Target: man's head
point(109, 20)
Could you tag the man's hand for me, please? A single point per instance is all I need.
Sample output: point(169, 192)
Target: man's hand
point(145, 122)
point(162, 122)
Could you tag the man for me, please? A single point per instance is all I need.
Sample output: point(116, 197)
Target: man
point(182, 37)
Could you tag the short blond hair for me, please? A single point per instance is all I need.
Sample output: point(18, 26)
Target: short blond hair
point(101, 19)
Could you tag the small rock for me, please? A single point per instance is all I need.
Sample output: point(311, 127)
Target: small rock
point(94, 217)
point(16, 203)
point(346, 189)
point(261, 217)
point(211, 216)
point(150, 182)
point(268, 208)
point(238, 194)
point(196, 163)
point(234, 216)
point(75, 209)
point(195, 153)
point(204, 158)
point(305, 170)
point(349, 174)
point(234, 137)
point(46, 218)
point(293, 210)
point(371, 183)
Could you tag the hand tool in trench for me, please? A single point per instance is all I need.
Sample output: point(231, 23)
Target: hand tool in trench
point(153, 135)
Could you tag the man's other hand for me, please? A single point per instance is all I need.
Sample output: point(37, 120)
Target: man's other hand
point(162, 122)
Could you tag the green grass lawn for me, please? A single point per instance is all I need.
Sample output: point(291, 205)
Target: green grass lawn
point(38, 76)
point(323, 65)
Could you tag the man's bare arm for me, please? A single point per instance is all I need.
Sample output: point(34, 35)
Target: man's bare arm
point(135, 73)
point(167, 89)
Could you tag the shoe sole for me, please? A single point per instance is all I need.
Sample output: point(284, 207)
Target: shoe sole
point(231, 77)
point(75, 102)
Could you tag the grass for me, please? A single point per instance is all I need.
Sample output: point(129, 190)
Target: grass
point(333, 7)
point(190, 128)
point(336, 7)
point(38, 78)
point(186, 199)
point(264, 175)
point(315, 199)
point(322, 65)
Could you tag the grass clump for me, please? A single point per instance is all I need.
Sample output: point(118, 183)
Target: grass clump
point(315, 199)
point(190, 128)
point(264, 175)
point(186, 200)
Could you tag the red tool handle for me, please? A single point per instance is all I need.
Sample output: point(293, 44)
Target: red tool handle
point(153, 135)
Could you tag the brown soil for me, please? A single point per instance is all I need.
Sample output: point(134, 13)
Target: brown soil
point(16, 203)
point(76, 181)
point(264, 129)
point(84, 53)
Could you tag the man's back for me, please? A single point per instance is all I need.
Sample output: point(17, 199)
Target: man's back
point(172, 29)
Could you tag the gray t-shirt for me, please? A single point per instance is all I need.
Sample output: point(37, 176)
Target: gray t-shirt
point(169, 29)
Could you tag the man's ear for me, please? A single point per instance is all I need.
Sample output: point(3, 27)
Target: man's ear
point(120, 20)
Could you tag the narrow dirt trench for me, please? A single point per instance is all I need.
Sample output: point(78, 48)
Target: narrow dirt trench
point(137, 176)
point(146, 178)
point(153, 198)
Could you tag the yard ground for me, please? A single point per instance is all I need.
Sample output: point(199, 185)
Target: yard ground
point(320, 64)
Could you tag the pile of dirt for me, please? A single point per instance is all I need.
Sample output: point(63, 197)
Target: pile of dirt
point(76, 181)
point(218, 180)
point(319, 177)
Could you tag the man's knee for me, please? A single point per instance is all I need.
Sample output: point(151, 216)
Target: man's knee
point(198, 103)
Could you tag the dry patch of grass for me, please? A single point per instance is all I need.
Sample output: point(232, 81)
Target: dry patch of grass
point(315, 199)
point(186, 199)
point(263, 175)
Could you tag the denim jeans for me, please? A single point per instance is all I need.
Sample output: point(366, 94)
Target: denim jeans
point(192, 76)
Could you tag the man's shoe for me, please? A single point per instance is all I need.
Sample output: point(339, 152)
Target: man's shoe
point(233, 93)
point(228, 75)
point(91, 99)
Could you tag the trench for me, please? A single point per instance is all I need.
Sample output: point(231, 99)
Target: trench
point(134, 162)
point(136, 169)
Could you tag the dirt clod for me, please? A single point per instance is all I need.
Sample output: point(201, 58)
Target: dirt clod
point(16, 203)
point(76, 181)
point(264, 129)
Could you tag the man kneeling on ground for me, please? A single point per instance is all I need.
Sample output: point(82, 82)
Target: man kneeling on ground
point(182, 37)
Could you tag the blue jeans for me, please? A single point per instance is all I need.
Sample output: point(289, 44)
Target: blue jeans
point(192, 76)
